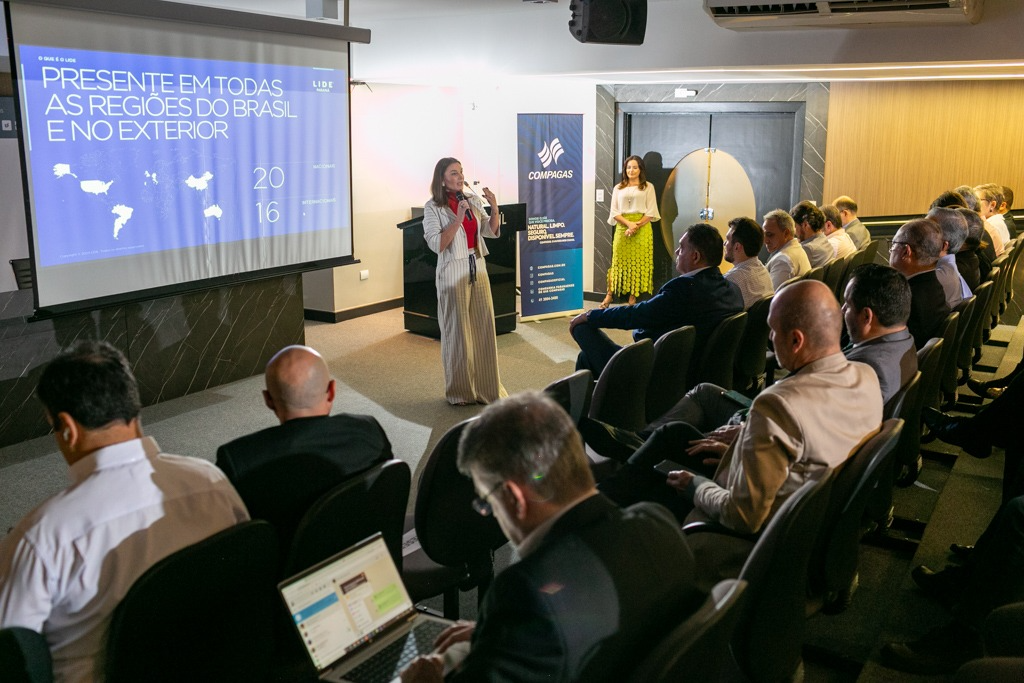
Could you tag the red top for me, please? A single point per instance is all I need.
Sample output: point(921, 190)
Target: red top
point(468, 222)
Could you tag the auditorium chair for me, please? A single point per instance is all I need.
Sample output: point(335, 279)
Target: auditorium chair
point(766, 645)
point(833, 567)
point(948, 383)
point(620, 395)
point(573, 393)
point(816, 274)
point(204, 613)
point(983, 327)
point(672, 356)
point(933, 384)
point(372, 501)
point(908, 457)
point(698, 648)
point(965, 352)
point(455, 545)
point(751, 355)
point(715, 363)
point(24, 656)
point(835, 273)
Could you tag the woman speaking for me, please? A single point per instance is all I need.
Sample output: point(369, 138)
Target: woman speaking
point(633, 208)
point(453, 225)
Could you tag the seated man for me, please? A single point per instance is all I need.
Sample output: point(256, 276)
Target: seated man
point(700, 296)
point(857, 231)
point(743, 243)
point(597, 585)
point(810, 230)
point(836, 233)
point(954, 234)
point(281, 471)
point(876, 308)
point(68, 563)
point(788, 259)
point(791, 434)
point(914, 252)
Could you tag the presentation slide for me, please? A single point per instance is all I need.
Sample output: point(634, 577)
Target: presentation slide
point(142, 153)
point(162, 157)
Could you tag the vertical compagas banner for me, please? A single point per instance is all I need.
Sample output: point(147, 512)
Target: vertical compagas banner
point(551, 185)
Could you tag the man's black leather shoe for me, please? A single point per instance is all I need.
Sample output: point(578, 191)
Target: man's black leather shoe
point(955, 431)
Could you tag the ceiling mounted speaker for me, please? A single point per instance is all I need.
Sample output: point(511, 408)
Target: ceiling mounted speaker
point(619, 22)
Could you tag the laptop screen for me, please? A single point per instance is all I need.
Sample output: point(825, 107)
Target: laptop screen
point(346, 600)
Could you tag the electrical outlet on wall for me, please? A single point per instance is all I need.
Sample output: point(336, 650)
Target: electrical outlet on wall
point(600, 196)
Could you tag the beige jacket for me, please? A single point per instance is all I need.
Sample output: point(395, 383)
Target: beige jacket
point(798, 428)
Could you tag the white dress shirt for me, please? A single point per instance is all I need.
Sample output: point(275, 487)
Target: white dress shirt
point(753, 280)
point(68, 563)
point(841, 243)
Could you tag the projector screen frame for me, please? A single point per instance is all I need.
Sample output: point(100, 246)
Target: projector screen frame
point(208, 16)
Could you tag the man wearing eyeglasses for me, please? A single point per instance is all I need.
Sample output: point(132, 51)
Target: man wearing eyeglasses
point(914, 252)
point(597, 585)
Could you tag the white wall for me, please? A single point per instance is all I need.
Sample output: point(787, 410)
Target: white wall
point(399, 133)
point(523, 38)
point(13, 231)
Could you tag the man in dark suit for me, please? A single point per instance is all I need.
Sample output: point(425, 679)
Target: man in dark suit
point(281, 471)
point(700, 296)
point(914, 252)
point(875, 311)
point(597, 585)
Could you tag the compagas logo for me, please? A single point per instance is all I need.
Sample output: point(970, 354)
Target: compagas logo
point(551, 153)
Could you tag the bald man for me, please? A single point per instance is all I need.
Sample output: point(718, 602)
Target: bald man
point(281, 471)
point(796, 430)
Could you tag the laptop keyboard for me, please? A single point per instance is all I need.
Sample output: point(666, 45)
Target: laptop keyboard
point(389, 662)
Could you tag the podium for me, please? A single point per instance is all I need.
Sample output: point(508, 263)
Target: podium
point(420, 265)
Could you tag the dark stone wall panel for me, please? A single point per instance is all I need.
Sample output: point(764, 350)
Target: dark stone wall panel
point(26, 348)
point(176, 345)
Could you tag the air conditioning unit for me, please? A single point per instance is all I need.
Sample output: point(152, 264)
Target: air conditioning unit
point(777, 16)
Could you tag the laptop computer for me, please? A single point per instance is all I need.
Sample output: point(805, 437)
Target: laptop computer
point(355, 617)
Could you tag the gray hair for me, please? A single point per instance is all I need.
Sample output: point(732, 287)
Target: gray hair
point(953, 224)
point(529, 439)
point(782, 219)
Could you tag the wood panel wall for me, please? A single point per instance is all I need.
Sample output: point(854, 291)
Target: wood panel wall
point(895, 146)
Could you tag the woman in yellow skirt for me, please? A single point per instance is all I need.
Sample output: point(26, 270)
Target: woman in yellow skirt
point(633, 208)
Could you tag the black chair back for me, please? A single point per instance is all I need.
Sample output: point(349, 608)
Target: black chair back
point(994, 310)
point(835, 271)
point(369, 502)
point(24, 656)
point(836, 557)
point(766, 645)
point(816, 274)
point(965, 352)
point(620, 395)
point(965, 309)
point(697, 649)
point(716, 362)
point(449, 530)
point(753, 348)
point(573, 393)
point(672, 356)
point(906, 405)
point(986, 323)
point(205, 613)
point(933, 383)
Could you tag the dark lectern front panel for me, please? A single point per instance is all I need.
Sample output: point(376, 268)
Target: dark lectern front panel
point(420, 265)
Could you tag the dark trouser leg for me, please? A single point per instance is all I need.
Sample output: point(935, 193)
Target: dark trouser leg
point(637, 480)
point(611, 442)
point(596, 349)
point(705, 407)
point(996, 568)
